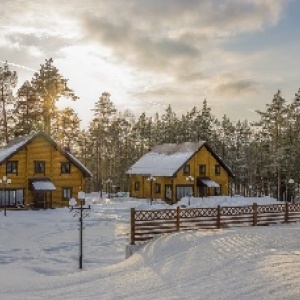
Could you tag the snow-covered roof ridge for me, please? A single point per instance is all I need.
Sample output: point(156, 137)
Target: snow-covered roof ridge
point(165, 159)
point(171, 148)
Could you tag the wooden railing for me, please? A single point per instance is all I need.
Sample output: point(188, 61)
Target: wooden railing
point(145, 224)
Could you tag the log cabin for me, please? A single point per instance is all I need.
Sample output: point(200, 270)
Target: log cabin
point(36, 172)
point(172, 171)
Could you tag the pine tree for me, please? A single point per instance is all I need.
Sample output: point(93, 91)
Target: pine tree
point(50, 86)
point(8, 81)
point(27, 112)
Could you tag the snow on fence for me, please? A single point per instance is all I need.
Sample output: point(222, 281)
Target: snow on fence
point(145, 224)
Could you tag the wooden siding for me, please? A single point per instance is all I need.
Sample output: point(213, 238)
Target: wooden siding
point(41, 150)
point(202, 157)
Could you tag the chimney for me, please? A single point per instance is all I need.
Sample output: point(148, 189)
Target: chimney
point(67, 149)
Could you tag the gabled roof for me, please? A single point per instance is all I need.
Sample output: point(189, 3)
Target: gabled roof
point(167, 159)
point(21, 142)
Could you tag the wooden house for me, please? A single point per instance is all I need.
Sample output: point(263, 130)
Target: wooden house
point(36, 172)
point(172, 171)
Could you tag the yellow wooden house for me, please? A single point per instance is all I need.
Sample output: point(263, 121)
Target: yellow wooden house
point(36, 172)
point(172, 171)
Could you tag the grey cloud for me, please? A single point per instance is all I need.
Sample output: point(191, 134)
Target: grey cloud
point(48, 44)
point(237, 87)
point(150, 51)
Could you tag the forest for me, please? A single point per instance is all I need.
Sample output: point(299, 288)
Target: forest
point(263, 155)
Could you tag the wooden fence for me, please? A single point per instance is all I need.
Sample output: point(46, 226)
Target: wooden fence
point(145, 224)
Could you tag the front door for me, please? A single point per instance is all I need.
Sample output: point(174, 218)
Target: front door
point(40, 201)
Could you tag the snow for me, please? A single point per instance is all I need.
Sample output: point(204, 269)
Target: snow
point(43, 185)
point(39, 256)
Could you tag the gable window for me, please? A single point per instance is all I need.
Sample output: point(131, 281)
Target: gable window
point(12, 167)
point(65, 168)
point(217, 170)
point(157, 188)
point(66, 193)
point(137, 186)
point(186, 170)
point(202, 169)
point(39, 167)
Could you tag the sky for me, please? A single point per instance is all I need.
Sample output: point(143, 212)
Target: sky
point(39, 257)
point(149, 54)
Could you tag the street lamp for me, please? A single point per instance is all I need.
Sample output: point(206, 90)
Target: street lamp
point(151, 179)
point(109, 182)
point(82, 212)
point(290, 189)
point(4, 181)
point(190, 180)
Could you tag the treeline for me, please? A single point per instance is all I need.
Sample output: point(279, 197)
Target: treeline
point(264, 156)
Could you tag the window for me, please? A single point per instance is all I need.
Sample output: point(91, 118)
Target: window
point(137, 186)
point(186, 169)
point(217, 170)
point(67, 193)
point(168, 192)
point(39, 167)
point(157, 188)
point(202, 169)
point(65, 168)
point(12, 167)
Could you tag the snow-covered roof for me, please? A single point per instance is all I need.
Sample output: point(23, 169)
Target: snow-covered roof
point(18, 143)
point(165, 159)
point(13, 147)
point(78, 162)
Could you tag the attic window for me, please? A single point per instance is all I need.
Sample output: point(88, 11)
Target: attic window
point(65, 168)
point(186, 170)
point(12, 167)
point(39, 167)
point(202, 169)
point(217, 170)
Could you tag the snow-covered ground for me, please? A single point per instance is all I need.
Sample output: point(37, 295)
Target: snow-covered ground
point(39, 257)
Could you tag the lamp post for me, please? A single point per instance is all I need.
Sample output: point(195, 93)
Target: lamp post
point(190, 180)
point(4, 181)
point(290, 190)
point(109, 182)
point(151, 179)
point(82, 212)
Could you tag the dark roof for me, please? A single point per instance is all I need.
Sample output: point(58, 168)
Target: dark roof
point(21, 142)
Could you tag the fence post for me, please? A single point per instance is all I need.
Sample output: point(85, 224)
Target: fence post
point(132, 226)
point(178, 218)
point(286, 212)
point(254, 207)
point(219, 217)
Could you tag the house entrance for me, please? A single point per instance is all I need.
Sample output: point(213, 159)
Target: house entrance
point(40, 201)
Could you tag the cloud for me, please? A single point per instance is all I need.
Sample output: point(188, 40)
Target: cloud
point(156, 51)
point(234, 86)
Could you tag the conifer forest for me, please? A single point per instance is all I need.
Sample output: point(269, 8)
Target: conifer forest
point(263, 155)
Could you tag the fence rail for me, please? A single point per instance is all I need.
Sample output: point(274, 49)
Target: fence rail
point(145, 224)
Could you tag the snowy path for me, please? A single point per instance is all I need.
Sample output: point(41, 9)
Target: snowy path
point(245, 263)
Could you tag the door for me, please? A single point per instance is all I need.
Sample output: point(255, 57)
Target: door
point(40, 201)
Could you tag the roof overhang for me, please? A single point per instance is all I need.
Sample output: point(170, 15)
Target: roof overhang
point(206, 182)
point(41, 184)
